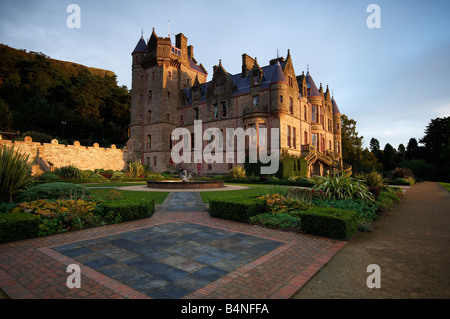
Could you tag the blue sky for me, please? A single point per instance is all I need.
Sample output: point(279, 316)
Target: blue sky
point(392, 80)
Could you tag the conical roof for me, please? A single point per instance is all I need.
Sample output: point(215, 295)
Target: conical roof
point(278, 75)
point(335, 107)
point(312, 88)
point(141, 46)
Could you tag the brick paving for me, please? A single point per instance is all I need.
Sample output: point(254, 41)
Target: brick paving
point(173, 254)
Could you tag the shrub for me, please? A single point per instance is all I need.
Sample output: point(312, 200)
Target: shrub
point(402, 181)
point(60, 215)
point(329, 222)
point(399, 172)
point(338, 186)
point(279, 221)
point(387, 199)
point(125, 210)
point(366, 211)
point(14, 173)
point(236, 208)
point(373, 179)
point(18, 226)
point(97, 176)
point(237, 172)
point(54, 191)
point(136, 169)
point(38, 136)
point(155, 177)
point(70, 171)
point(278, 204)
point(49, 177)
point(117, 175)
point(306, 195)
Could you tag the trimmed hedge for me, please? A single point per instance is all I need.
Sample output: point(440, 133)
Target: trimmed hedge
point(329, 222)
point(18, 226)
point(236, 208)
point(125, 210)
point(53, 191)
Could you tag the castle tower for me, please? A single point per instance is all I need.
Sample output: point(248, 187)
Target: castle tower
point(337, 128)
point(137, 99)
point(160, 71)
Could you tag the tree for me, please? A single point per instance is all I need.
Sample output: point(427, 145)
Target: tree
point(389, 155)
point(6, 117)
point(351, 142)
point(412, 149)
point(437, 146)
point(375, 149)
point(401, 154)
point(437, 139)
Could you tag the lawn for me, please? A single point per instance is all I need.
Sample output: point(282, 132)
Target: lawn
point(114, 184)
point(249, 192)
point(446, 186)
point(107, 193)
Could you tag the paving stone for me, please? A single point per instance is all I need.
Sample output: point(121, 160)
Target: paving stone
point(100, 262)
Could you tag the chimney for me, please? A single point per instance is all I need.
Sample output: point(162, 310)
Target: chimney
point(247, 64)
point(190, 51)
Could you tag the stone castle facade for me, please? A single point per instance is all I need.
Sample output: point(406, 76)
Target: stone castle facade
point(170, 90)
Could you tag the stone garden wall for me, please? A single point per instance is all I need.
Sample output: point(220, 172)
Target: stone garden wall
point(53, 155)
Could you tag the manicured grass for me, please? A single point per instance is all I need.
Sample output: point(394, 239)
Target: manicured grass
point(249, 192)
point(106, 193)
point(115, 184)
point(446, 186)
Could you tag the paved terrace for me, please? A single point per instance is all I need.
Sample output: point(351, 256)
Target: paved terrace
point(180, 252)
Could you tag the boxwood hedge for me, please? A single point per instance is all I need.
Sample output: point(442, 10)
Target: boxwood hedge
point(236, 208)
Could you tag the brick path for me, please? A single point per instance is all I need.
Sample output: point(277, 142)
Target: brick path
point(32, 269)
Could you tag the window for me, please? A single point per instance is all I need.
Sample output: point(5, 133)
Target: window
point(305, 113)
point(315, 115)
point(209, 167)
point(153, 75)
point(181, 118)
point(289, 136)
point(256, 100)
point(252, 140)
point(154, 160)
point(322, 146)
point(291, 82)
point(329, 145)
point(149, 142)
point(315, 140)
point(255, 79)
point(149, 116)
point(188, 82)
point(291, 105)
point(294, 139)
point(168, 95)
point(216, 111)
point(305, 138)
point(224, 109)
point(262, 138)
point(196, 113)
point(168, 117)
point(281, 98)
point(150, 95)
point(169, 75)
point(339, 147)
point(192, 141)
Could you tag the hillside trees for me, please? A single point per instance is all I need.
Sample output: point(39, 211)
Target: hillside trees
point(42, 94)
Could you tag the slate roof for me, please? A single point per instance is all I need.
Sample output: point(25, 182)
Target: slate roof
point(312, 86)
point(141, 46)
point(335, 107)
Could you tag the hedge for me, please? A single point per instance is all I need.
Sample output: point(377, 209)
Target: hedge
point(53, 191)
point(125, 210)
point(329, 222)
point(18, 226)
point(236, 208)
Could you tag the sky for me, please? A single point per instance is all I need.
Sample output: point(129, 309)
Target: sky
point(391, 80)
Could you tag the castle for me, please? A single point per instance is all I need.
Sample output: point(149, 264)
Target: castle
point(170, 90)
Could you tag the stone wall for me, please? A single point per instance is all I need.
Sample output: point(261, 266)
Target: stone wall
point(59, 155)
